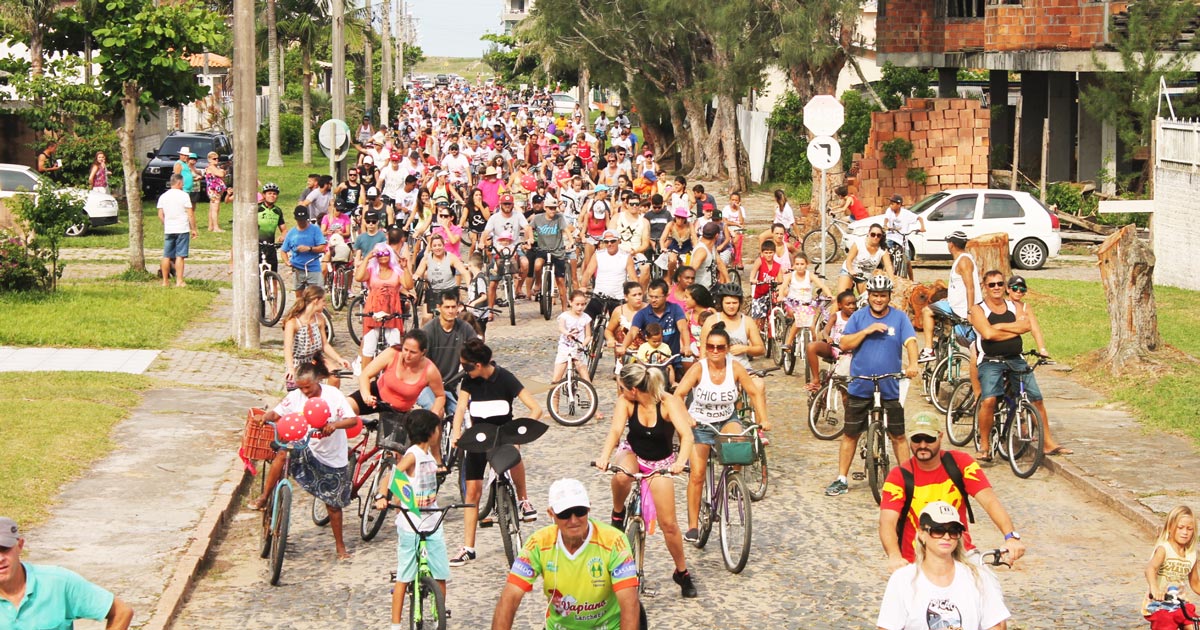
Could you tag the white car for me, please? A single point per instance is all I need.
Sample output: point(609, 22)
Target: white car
point(564, 103)
point(101, 208)
point(1032, 229)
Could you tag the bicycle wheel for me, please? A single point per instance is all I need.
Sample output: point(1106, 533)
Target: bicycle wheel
point(354, 320)
point(755, 475)
point(736, 526)
point(279, 533)
point(546, 297)
point(339, 292)
point(512, 300)
point(637, 546)
point(509, 521)
point(960, 414)
point(426, 605)
point(802, 340)
point(489, 496)
point(788, 359)
point(825, 418)
point(877, 455)
point(327, 323)
point(272, 300)
point(1000, 425)
point(264, 530)
point(706, 514)
point(372, 518)
point(320, 513)
point(1026, 441)
point(811, 245)
point(572, 401)
point(597, 349)
point(778, 323)
point(944, 378)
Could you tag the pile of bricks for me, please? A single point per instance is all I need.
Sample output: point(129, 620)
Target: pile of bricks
point(950, 142)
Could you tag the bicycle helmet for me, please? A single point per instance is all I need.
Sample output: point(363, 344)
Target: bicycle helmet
point(727, 289)
point(879, 284)
point(270, 187)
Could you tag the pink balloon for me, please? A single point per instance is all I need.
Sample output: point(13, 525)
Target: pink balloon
point(316, 412)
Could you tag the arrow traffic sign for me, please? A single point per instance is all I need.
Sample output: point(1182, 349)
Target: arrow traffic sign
point(823, 115)
point(824, 152)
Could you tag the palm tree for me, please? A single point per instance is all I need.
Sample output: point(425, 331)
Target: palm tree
point(274, 154)
point(33, 17)
point(306, 23)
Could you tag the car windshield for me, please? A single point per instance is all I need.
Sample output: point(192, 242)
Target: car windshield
point(199, 146)
point(925, 203)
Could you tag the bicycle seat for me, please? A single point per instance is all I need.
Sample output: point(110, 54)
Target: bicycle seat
point(370, 424)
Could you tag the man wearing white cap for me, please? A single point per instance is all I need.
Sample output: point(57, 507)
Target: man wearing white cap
point(37, 596)
point(588, 574)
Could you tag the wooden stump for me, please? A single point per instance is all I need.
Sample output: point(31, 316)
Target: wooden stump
point(1127, 271)
point(990, 252)
point(916, 297)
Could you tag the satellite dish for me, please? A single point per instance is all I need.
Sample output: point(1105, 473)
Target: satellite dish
point(334, 139)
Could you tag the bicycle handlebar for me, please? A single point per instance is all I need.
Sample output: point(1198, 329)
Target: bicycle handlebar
point(995, 556)
point(879, 377)
point(614, 469)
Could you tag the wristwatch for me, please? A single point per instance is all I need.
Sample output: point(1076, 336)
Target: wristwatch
point(1013, 535)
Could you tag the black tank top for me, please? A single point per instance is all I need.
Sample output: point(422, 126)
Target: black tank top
point(1008, 347)
point(650, 443)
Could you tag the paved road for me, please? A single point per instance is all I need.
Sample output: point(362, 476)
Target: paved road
point(816, 561)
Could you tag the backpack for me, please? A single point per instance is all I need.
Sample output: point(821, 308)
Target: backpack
point(952, 471)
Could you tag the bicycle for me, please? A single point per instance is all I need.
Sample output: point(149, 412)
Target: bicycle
point(337, 284)
point(356, 314)
point(899, 251)
point(426, 601)
point(949, 365)
point(1016, 433)
point(826, 406)
point(272, 298)
point(776, 323)
point(635, 526)
point(756, 474)
point(1172, 601)
point(549, 279)
point(599, 323)
point(326, 318)
point(276, 519)
point(500, 443)
point(833, 236)
point(502, 267)
point(876, 461)
point(804, 336)
point(572, 401)
point(368, 458)
point(724, 498)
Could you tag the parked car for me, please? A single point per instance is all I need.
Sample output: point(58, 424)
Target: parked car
point(101, 208)
point(157, 174)
point(564, 103)
point(1033, 235)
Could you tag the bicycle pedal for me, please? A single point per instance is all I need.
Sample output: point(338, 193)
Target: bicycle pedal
point(487, 523)
point(858, 476)
point(650, 591)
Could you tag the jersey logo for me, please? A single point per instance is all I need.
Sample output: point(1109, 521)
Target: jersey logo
point(595, 569)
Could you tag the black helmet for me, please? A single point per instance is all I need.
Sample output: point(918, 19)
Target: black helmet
point(727, 289)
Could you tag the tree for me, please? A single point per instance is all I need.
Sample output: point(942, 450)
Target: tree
point(33, 17)
point(143, 54)
point(1127, 96)
point(274, 154)
point(1127, 272)
point(305, 23)
point(50, 213)
point(507, 58)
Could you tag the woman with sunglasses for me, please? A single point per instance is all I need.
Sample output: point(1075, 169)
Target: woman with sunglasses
point(714, 382)
point(677, 239)
point(942, 588)
point(653, 419)
point(385, 278)
point(863, 259)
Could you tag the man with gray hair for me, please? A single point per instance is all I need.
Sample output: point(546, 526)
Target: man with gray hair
point(179, 227)
point(39, 596)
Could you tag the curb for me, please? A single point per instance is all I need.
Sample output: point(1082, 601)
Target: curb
point(1121, 501)
point(203, 539)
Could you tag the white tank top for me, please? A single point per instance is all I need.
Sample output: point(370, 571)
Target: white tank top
point(739, 336)
point(800, 289)
point(713, 404)
point(440, 274)
point(610, 273)
point(956, 293)
point(865, 262)
point(630, 233)
point(705, 274)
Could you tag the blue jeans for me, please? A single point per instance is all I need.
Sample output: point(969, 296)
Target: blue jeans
point(426, 398)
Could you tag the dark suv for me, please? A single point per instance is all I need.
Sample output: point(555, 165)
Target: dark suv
point(442, 80)
point(157, 174)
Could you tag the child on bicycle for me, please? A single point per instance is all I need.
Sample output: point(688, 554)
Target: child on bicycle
point(653, 350)
point(764, 270)
point(799, 290)
point(1172, 566)
point(574, 334)
point(420, 473)
point(827, 346)
point(477, 293)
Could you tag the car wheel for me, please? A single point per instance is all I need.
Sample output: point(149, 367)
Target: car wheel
point(79, 229)
point(1030, 254)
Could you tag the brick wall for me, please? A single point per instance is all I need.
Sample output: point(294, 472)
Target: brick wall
point(950, 141)
point(1176, 188)
point(910, 26)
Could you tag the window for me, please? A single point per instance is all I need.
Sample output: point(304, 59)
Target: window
point(961, 208)
point(964, 8)
point(11, 181)
point(1001, 207)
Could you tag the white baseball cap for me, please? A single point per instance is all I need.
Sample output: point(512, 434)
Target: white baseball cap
point(566, 494)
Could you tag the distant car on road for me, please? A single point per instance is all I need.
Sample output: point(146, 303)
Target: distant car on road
point(1033, 235)
point(442, 79)
point(101, 208)
point(157, 173)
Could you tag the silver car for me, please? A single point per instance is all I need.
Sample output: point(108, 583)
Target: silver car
point(100, 207)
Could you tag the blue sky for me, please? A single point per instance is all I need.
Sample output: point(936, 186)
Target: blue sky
point(451, 28)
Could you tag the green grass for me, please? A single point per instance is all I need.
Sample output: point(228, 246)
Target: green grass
point(466, 67)
point(102, 313)
point(1074, 319)
point(50, 438)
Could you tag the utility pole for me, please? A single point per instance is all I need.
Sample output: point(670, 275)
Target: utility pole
point(401, 39)
point(385, 83)
point(245, 174)
point(339, 70)
point(369, 67)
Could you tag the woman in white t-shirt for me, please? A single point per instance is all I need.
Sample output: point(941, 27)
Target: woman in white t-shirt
point(942, 588)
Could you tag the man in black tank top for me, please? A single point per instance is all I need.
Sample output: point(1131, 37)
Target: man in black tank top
point(1000, 324)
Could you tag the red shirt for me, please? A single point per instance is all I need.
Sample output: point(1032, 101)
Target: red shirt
point(858, 210)
point(766, 271)
point(928, 487)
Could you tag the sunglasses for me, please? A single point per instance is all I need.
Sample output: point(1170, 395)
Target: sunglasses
point(444, 216)
point(876, 235)
point(1018, 289)
point(712, 347)
point(994, 285)
point(610, 241)
point(467, 367)
point(578, 511)
point(922, 439)
point(953, 531)
point(383, 255)
point(372, 223)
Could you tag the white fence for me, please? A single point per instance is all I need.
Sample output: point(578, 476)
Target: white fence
point(1176, 188)
point(200, 115)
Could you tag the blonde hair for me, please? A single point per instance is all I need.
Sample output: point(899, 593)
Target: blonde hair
point(638, 377)
point(1167, 534)
point(959, 555)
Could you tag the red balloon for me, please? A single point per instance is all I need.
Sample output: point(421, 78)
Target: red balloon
point(316, 412)
point(355, 430)
point(290, 428)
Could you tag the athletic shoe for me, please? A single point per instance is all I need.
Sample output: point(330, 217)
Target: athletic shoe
point(926, 356)
point(618, 520)
point(692, 535)
point(463, 556)
point(684, 580)
point(837, 487)
point(528, 514)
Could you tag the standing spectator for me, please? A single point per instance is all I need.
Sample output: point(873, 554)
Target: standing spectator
point(318, 200)
point(303, 246)
point(185, 168)
point(46, 164)
point(98, 177)
point(41, 596)
point(214, 182)
point(179, 227)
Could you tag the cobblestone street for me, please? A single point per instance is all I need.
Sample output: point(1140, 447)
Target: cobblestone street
point(816, 561)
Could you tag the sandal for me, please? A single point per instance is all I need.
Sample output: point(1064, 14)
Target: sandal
point(1060, 450)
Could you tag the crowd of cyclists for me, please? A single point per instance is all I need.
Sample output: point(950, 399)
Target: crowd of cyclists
point(451, 214)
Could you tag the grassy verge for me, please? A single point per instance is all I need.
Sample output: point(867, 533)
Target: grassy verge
point(50, 438)
point(103, 313)
point(1074, 318)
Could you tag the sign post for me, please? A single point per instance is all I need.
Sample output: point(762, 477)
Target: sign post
point(823, 116)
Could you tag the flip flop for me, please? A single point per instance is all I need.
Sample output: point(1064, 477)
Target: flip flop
point(984, 459)
point(1060, 450)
